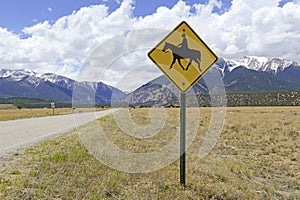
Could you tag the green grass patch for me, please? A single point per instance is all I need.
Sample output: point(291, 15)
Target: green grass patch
point(15, 172)
point(59, 157)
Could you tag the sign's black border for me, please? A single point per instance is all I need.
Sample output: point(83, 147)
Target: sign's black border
point(165, 38)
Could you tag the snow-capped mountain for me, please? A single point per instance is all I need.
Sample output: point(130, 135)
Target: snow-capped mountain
point(256, 63)
point(35, 78)
point(26, 83)
point(247, 74)
point(254, 73)
point(20, 75)
point(59, 80)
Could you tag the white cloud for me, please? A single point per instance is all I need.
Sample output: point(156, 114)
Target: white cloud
point(247, 28)
point(50, 9)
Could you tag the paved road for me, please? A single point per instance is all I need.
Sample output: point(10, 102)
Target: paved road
point(19, 134)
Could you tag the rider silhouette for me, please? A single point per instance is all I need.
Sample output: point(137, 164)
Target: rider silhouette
point(183, 46)
point(182, 51)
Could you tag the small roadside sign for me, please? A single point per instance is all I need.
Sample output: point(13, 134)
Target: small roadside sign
point(52, 106)
point(183, 56)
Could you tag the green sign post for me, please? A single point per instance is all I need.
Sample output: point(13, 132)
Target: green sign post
point(183, 57)
point(182, 137)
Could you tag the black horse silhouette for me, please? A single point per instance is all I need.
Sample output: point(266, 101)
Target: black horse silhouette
point(180, 53)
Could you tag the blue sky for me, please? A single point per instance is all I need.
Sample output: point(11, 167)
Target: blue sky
point(17, 14)
point(59, 35)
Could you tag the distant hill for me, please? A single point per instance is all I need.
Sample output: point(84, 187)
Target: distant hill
point(31, 103)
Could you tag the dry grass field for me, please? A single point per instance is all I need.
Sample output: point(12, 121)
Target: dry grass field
point(256, 157)
point(12, 114)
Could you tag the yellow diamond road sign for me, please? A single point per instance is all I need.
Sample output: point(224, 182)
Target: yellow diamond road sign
point(183, 56)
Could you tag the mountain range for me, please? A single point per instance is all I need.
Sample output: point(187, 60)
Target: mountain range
point(259, 74)
point(247, 74)
point(29, 84)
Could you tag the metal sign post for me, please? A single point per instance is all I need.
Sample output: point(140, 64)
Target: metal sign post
point(184, 58)
point(182, 137)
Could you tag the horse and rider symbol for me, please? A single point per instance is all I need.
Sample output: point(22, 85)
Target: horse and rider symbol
point(182, 51)
point(183, 56)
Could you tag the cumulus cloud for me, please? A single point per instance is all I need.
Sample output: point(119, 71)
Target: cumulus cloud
point(67, 46)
